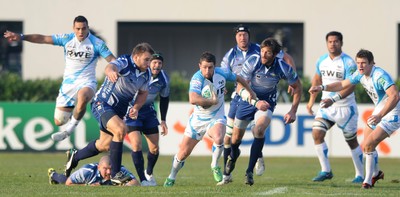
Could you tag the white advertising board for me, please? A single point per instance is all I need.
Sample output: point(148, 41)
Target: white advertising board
point(280, 140)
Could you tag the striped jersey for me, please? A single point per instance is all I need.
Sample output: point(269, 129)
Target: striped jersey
point(119, 94)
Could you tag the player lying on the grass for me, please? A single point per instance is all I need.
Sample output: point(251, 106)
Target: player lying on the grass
point(92, 174)
point(385, 117)
point(208, 115)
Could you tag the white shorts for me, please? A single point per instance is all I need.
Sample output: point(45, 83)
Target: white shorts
point(346, 118)
point(389, 123)
point(68, 92)
point(198, 126)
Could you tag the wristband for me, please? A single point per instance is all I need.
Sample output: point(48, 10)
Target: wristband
point(336, 97)
point(254, 102)
point(322, 87)
point(22, 37)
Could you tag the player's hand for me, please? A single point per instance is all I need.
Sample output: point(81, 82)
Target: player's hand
point(164, 128)
point(112, 76)
point(290, 90)
point(289, 117)
point(214, 98)
point(325, 103)
point(11, 36)
point(374, 120)
point(314, 89)
point(262, 105)
point(133, 113)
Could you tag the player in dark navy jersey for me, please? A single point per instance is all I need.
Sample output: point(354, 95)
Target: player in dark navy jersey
point(127, 78)
point(92, 174)
point(263, 72)
point(147, 122)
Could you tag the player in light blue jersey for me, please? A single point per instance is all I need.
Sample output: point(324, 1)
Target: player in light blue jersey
point(384, 120)
point(92, 174)
point(126, 78)
point(147, 122)
point(336, 107)
point(81, 51)
point(263, 72)
point(208, 115)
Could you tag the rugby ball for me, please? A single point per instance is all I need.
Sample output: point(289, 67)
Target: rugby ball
point(207, 90)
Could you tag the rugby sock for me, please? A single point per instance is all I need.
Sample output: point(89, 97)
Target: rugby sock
point(322, 153)
point(151, 162)
point(235, 152)
point(90, 150)
point(138, 161)
point(115, 157)
point(71, 125)
point(60, 178)
point(256, 148)
point(376, 163)
point(358, 161)
point(227, 151)
point(176, 166)
point(216, 154)
point(369, 167)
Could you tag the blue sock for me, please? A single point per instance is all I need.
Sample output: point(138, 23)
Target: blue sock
point(151, 162)
point(115, 157)
point(60, 178)
point(138, 161)
point(227, 151)
point(235, 152)
point(255, 150)
point(90, 150)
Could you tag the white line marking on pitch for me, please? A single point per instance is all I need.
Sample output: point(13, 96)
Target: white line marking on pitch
point(278, 190)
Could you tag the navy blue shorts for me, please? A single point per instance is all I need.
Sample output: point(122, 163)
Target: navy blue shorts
point(147, 121)
point(102, 112)
point(233, 107)
point(245, 111)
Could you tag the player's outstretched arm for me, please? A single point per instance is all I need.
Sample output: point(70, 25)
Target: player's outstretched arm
point(34, 38)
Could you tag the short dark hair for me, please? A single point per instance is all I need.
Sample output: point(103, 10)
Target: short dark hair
point(363, 53)
point(271, 43)
point(81, 19)
point(142, 48)
point(334, 33)
point(207, 57)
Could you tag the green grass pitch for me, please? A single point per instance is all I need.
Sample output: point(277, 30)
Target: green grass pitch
point(25, 174)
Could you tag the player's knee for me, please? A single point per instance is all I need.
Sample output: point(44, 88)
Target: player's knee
point(154, 150)
point(61, 117)
point(350, 137)
point(102, 147)
point(241, 124)
point(119, 132)
point(321, 125)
